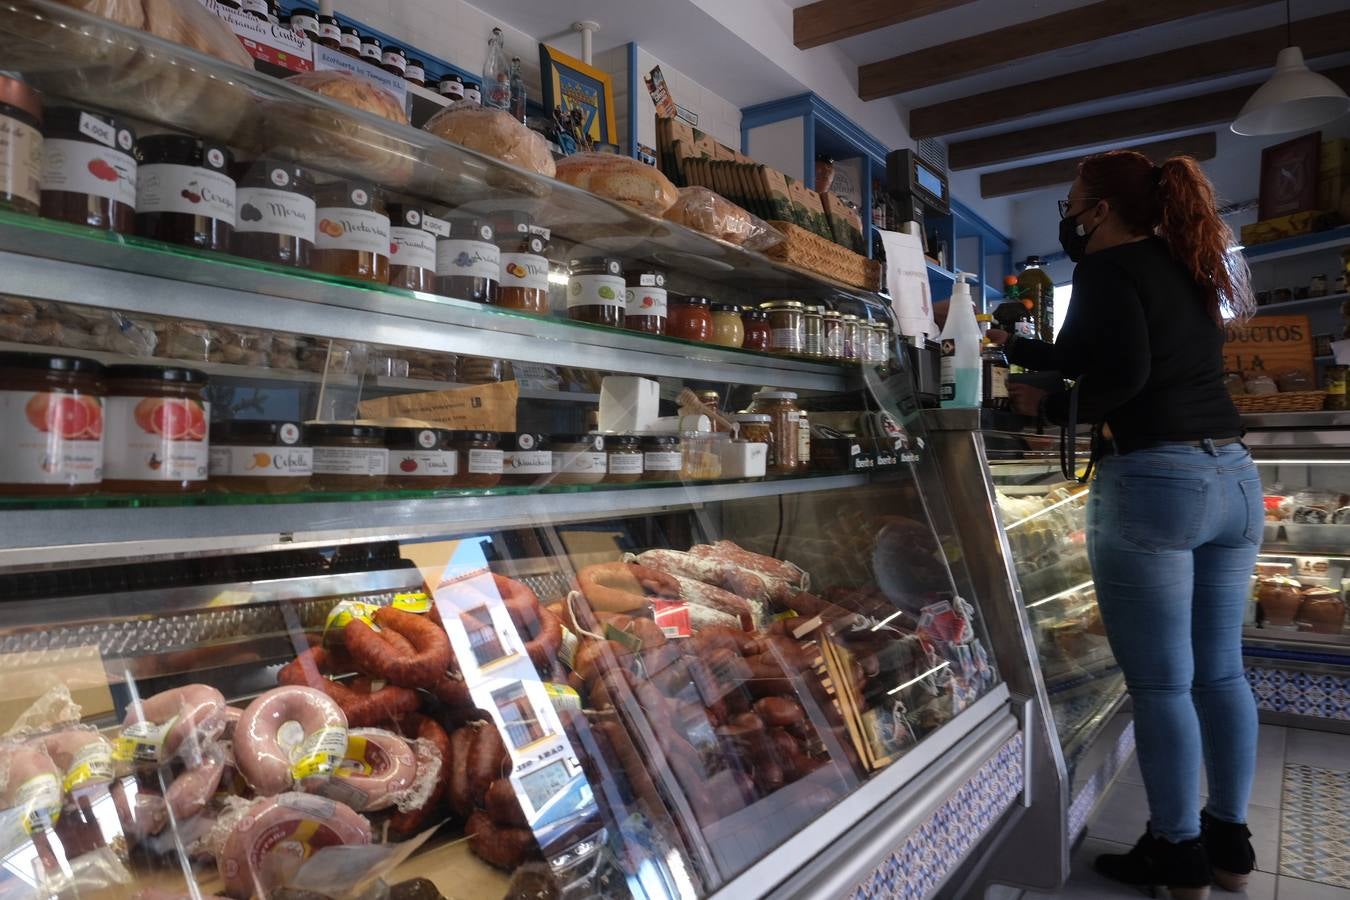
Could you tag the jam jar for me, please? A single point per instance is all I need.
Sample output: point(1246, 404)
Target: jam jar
point(20, 146)
point(260, 457)
point(728, 329)
point(623, 454)
point(276, 213)
point(451, 86)
point(352, 235)
point(372, 51)
point(393, 61)
point(645, 302)
point(756, 323)
point(480, 458)
point(258, 9)
point(349, 41)
point(468, 263)
point(413, 233)
point(305, 22)
point(787, 334)
point(855, 344)
point(88, 170)
point(579, 459)
point(755, 428)
point(348, 457)
point(415, 72)
point(330, 32)
point(51, 424)
point(596, 292)
point(524, 273)
point(156, 422)
point(690, 318)
point(833, 334)
point(184, 193)
point(785, 425)
point(526, 458)
point(472, 92)
point(420, 458)
point(662, 457)
point(813, 333)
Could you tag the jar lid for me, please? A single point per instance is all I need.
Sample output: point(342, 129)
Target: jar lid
point(880, 326)
point(256, 431)
point(356, 194)
point(471, 84)
point(451, 78)
point(350, 29)
point(692, 301)
point(476, 437)
point(832, 314)
point(781, 304)
point(594, 441)
point(525, 440)
point(597, 264)
point(417, 438)
point(775, 395)
point(14, 92)
point(157, 373)
point(275, 173)
point(184, 149)
point(752, 418)
point(726, 308)
point(754, 314)
point(471, 228)
point(328, 19)
point(814, 310)
point(414, 62)
point(98, 127)
point(850, 318)
point(51, 362)
point(320, 431)
point(622, 441)
point(370, 39)
point(661, 440)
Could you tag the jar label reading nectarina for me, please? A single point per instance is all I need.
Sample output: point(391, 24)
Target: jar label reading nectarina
point(346, 228)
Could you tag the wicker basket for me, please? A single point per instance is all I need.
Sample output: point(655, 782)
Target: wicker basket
point(812, 252)
point(1294, 401)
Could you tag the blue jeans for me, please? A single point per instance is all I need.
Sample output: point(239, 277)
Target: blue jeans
point(1173, 534)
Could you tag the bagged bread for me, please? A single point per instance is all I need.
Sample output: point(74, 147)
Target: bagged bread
point(494, 133)
point(711, 213)
point(620, 178)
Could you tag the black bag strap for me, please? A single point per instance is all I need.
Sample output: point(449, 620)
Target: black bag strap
point(1068, 443)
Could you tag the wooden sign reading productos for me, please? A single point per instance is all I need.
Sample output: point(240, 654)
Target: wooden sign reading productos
point(1270, 344)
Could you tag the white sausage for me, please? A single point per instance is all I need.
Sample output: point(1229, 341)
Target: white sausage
point(270, 826)
point(378, 767)
point(30, 781)
point(285, 727)
point(191, 791)
point(83, 756)
point(194, 714)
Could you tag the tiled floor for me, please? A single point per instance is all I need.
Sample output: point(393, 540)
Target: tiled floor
point(1120, 820)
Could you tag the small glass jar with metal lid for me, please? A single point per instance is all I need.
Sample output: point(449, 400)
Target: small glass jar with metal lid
point(394, 61)
point(579, 459)
point(184, 192)
point(757, 332)
point(422, 459)
point(855, 344)
point(349, 41)
point(480, 458)
point(813, 333)
point(347, 456)
point(787, 326)
point(785, 424)
point(468, 263)
point(662, 457)
point(330, 32)
point(413, 235)
point(88, 169)
point(52, 410)
point(303, 21)
point(623, 454)
point(278, 216)
point(415, 72)
point(880, 345)
point(250, 456)
point(646, 307)
point(527, 458)
point(524, 275)
point(451, 86)
point(372, 50)
point(833, 334)
point(156, 420)
point(20, 146)
point(690, 318)
point(596, 292)
point(352, 235)
point(755, 428)
point(728, 328)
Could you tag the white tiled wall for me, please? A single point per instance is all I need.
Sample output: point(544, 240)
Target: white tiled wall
point(615, 62)
point(716, 116)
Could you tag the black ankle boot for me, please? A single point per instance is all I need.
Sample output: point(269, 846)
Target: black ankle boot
point(1183, 868)
point(1230, 851)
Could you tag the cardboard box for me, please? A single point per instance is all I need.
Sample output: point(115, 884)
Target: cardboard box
point(845, 222)
point(1285, 226)
point(266, 42)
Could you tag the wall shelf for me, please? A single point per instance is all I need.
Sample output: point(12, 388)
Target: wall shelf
point(1299, 245)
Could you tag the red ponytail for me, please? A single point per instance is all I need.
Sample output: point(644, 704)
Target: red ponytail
point(1176, 202)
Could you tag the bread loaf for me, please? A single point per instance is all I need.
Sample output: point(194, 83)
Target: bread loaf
point(494, 133)
point(709, 212)
point(620, 178)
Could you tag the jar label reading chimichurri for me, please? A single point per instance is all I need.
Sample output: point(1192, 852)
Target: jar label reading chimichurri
point(412, 247)
point(276, 212)
point(157, 439)
point(596, 290)
point(346, 228)
point(191, 190)
point(645, 301)
point(262, 462)
point(81, 167)
point(524, 270)
point(527, 462)
point(50, 438)
point(468, 259)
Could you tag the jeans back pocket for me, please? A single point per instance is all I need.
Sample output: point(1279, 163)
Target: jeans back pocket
point(1162, 511)
point(1254, 510)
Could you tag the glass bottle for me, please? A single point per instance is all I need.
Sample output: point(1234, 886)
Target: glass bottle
point(517, 91)
point(496, 74)
point(1038, 287)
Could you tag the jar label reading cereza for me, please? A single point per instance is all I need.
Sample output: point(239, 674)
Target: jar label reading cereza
point(276, 212)
point(191, 190)
point(344, 228)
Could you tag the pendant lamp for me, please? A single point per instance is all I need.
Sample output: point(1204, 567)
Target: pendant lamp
point(1294, 99)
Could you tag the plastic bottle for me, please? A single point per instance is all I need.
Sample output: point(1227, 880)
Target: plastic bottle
point(961, 339)
point(497, 74)
point(1039, 288)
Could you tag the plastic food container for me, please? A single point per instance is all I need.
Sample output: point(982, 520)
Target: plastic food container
point(596, 292)
point(468, 263)
point(51, 424)
point(480, 458)
point(352, 235)
point(277, 213)
point(624, 459)
point(413, 233)
point(348, 457)
point(156, 422)
point(88, 171)
point(524, 266)
point(527, 458)
point(420, 458)
point(701, 455)
point(184, 193)
point(20, 147)
point(645, 302)
point(662, 458)
point(579, 459)
point(260, 457)
point(744, 459)
point(787, 326)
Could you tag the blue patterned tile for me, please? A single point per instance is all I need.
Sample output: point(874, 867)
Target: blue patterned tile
point(1321, 695)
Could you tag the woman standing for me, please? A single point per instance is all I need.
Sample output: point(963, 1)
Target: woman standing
point(1175, 515)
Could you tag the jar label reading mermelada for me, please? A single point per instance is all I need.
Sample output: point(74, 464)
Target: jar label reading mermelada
point(596, 290)
point(524, 270)
point(625, 463)
point(528, 462)
point(21, 151)
point(485, 462)
point(156, 439)
point(662, 460)
point(457, 258)
point(351, 461)
point(346, 228)
point(412, 247)
point(276, 212)
point(50, 438)
point(645, 301)
point(262, 462)
point(424, 463)
point(191, 190)
point(84, 168)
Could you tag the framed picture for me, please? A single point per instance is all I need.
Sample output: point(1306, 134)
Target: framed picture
point(1289, 176)
point(584, 93)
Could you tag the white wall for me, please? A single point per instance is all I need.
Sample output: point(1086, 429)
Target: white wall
point(716, 116)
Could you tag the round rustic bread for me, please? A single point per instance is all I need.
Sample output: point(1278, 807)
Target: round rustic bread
point(620, 178)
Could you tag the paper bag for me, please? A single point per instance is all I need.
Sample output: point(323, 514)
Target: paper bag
point(481, 407)
point(907, 280)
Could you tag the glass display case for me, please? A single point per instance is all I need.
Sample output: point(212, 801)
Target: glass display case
point(317, 586)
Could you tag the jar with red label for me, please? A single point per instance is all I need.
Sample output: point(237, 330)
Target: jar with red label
point(51, 424)
point(757, 331)
point(415, 72)
point(352, 235)
point(421, 459)
point(468, 263)
point(20, 146)
point(372, 50)
point(690, 318)
point(330, 33)
point(413, 233)
point(88, 170)
point(156, 420)
point(251, 456)
point(524, 275)
point(184, 193)
point(480, 458)
point(596, 292)
point(645, 298)
point(394, 61)
point(276, 213)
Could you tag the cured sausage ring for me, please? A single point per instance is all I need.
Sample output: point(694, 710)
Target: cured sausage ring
point(180, 722)
point(376, 769)
point(624, 587)
point(409, 650)
point(287, 736)
point(291, 824)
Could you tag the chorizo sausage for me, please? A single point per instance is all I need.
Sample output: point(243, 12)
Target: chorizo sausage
point(503, 806)
point(505, 848)
point(624, 587)
point(286, 824)
point(377, 767)
point(379, 655)
point(414, 820)
point(194, 716)
point(364, 705)
point(485, 761)
point(457, 793)
point(316, 731)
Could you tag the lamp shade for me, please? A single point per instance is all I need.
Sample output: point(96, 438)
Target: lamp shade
point(1294, 99)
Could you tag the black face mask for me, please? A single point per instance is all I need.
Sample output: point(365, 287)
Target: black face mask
point(1073, 238)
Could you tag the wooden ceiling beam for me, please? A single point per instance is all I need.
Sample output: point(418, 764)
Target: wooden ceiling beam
point(1064, 171)
point(827, 21)
point(1112, 127)
point(1318, 36)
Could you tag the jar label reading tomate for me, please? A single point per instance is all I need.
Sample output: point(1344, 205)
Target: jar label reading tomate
point(157, 439)
point(276, 212)
point(524, 270)
point(412, 247)
point(424, 463)
point(191, 190)
point(50, 438)
point(468, 259)
point(596, 290)
point(645, 301)
point(80, 167)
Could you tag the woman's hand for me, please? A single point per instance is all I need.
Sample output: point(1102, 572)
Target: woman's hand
point(997, 337)
point(1026, 399)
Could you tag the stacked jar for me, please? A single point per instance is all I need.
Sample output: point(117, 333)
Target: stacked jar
point(414, 234)
point(88, 170)
point(646, 302)
point(523, 283)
